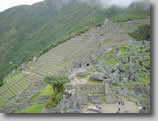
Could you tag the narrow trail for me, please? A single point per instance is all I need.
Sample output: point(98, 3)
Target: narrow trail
point(79, 48)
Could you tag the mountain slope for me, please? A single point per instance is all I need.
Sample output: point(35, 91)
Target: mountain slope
point(76, 52)
point(27, 30)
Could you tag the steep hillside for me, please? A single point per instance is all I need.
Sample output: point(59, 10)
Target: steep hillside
point(70, 37)
point(27, 31)
point(137, 10)
point(25, 88)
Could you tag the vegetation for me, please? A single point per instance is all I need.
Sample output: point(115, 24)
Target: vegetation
point(136, 10)
point(1, 103)
point(143, 32)
point(36, 108)
point(57, 83)
point(94, 82)
point(28, 31)
point(47, 91)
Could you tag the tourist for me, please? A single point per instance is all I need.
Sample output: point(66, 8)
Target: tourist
point(122, 103)
point(98, 107)
point(142, 109)
point(119, 102)
point(119, 110)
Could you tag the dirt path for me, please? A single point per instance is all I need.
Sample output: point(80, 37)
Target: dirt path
point(113, 108)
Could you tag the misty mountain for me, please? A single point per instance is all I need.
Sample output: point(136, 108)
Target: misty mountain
point(27, 31)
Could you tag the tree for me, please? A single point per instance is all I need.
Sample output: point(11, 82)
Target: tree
point(57, 83)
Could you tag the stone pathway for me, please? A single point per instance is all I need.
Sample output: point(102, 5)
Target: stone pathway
point(112, 108)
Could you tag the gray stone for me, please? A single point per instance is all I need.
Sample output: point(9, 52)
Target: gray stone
point(121, 68)
point(138, 79)
point(133, 67)
point(82, 96)
point(81, 72)
point(124, 60)
point(100, 68)
point(67, 105)
point(116, 67)
point(125, 79)
point(132, 78)
point(96, 98)
point(97, 76)
point(123, 92)
point(130, 42)
point(34, 58)
point(115, 77)
point(111, 99)
point(108, 68)
point(119, 54)
point(93, 108)
point(137, 90)
point(44, 110)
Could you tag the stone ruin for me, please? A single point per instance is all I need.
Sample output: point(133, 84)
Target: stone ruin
point(94, 93)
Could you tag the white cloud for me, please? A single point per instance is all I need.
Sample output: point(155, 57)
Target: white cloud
point(5, 4)
point(122, 3)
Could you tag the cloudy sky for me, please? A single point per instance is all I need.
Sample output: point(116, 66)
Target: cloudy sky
point(5, 4)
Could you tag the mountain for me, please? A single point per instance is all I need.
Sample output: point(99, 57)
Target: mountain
point(27, 31)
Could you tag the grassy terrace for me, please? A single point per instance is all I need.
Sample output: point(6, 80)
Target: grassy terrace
point(14, 86)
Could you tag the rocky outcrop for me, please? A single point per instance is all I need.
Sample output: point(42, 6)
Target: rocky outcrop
point(97, 77)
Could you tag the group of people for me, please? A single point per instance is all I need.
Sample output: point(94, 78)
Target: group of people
point(67, 93)
point(121, 103)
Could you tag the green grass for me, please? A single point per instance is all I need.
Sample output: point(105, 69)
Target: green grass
point(12, 76)
point(47, 91)
point(116, 85)
point(145, 80)
point(36, 108)
point(1, 103)
point(82, 76)
point(18, 111)
point(103, 98)
point(143, 32)
point(129, 17)
point(99, 59)
point(111, 60)
point(94, 82)
point(123, 50)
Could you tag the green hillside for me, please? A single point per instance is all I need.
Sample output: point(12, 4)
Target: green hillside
point(27, 31)
point(137, 10)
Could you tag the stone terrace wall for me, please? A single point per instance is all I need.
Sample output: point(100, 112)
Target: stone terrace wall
point(100, 88)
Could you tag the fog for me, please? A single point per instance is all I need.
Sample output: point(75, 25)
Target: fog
point(5, 4)
point(121, 3)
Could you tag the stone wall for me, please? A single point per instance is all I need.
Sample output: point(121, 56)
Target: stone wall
point(90, 88)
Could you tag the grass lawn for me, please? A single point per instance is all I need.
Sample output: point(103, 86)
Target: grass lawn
point(94, 82)
point(36, 108)
point(47, 91)
point(1, 103)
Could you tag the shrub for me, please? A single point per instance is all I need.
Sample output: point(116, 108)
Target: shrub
point(1, 82)
point(143, 32)
point(57, 83)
